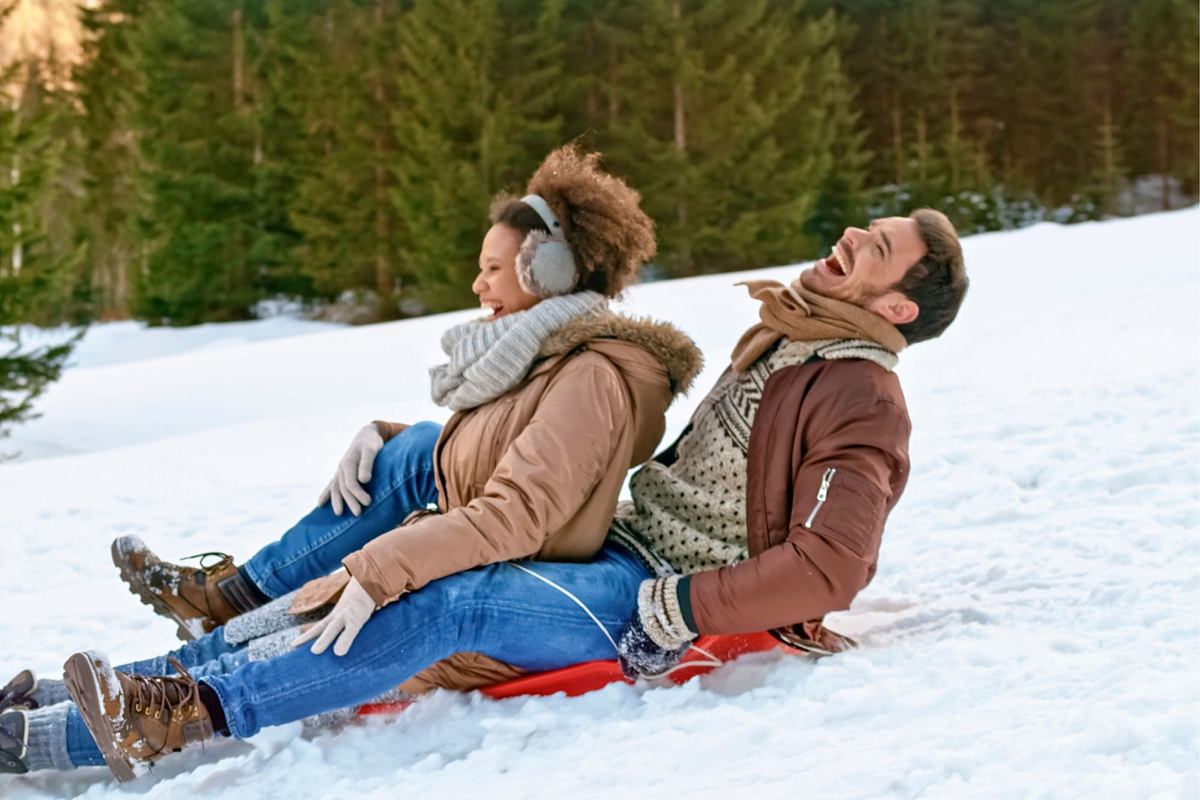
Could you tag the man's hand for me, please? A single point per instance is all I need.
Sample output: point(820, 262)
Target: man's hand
point(656, 636)
point(353, 471)
point(343, 623)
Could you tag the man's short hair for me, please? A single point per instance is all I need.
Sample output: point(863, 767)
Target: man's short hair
point(938, 282)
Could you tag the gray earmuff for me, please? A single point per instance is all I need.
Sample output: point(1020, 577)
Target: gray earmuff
point(545, 264)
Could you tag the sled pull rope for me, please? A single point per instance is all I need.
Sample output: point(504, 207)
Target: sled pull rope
point(574, 599)
point(713, 661)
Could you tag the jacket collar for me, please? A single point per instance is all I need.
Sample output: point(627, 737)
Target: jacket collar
point(671, 346)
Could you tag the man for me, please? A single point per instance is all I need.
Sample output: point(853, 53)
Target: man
point(772, 505)
point(767, 513)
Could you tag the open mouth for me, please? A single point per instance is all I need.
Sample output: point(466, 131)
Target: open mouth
point(838, 263)
point(494, 309)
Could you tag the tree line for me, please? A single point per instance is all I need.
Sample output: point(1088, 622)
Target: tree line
point(204, 157)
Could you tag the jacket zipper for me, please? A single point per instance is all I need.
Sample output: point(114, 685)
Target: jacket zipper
point(822, 493)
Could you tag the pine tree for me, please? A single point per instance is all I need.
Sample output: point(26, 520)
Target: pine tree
point(105, 155)
point(841, 200)
point(593, 75)
point(873, 53)
point(727, 125)
point(938, 38)
point(27, 152)
point(278, 144)
point(46, 111)
point(1110, 170)
point(24, 373)
point(918, 92)
point(206, 225)
point(477, 110)
point(1163, 119)
point(334, 76)
point(1054, 112)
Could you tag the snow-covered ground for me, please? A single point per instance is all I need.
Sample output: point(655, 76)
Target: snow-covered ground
point(1033, 631)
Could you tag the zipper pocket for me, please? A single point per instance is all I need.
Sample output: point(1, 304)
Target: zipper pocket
point(822, 493)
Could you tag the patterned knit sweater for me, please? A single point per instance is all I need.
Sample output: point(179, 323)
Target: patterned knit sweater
point(692, 514)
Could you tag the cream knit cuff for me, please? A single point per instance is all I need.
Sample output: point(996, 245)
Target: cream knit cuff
point(660, 614)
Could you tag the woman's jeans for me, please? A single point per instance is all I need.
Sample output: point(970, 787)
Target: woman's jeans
point(402, 482)
point(499, 610)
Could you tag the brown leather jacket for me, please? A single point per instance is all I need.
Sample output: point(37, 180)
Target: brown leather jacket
point(536, 473)
point(828, 460)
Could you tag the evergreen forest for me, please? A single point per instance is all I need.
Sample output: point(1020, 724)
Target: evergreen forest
point(203, 161)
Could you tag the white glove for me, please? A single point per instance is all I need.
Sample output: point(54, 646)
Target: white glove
point(353, 471)
point(352, 611)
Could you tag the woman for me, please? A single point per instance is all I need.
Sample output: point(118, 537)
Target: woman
point(555, 398)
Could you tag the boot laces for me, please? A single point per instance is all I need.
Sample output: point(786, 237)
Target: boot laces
point(165, 695)
point(223, 559)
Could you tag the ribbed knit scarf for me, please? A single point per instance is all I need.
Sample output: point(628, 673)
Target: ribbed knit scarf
point(489, 357)
point(799, 315)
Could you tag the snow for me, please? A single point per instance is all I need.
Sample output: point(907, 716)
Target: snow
point(1033, 631)
point(122, 342)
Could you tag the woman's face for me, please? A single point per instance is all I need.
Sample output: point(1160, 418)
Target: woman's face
point(497, 284)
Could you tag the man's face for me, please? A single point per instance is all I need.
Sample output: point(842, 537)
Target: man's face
point(866, 265)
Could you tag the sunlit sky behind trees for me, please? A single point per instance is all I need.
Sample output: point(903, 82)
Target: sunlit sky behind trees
point(35, 28)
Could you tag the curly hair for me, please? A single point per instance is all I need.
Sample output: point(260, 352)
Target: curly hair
point(609, 234)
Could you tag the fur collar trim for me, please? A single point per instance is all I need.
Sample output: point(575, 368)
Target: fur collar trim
point(674, 348)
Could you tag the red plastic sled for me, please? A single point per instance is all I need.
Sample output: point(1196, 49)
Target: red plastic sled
point(592, 675)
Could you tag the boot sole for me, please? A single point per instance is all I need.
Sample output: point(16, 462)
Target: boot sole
point(14, 763)
point(144, 593)
point(83, 682)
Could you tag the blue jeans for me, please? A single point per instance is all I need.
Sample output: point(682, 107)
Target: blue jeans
point(401, 483)
point(499, 610)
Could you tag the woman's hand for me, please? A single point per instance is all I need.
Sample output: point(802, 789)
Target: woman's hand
point(352, 611)
point(353, 471)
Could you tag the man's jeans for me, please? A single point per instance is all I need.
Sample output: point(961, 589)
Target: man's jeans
point(499, 610)
point(402, 482)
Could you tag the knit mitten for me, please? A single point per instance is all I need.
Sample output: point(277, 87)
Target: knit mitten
point(656, 636)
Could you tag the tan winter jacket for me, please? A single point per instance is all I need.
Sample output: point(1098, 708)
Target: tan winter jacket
point(536, 473)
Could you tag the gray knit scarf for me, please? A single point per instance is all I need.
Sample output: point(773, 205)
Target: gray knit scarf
point(489, 357)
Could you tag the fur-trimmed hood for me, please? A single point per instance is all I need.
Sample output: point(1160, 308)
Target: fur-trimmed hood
point(605, 330)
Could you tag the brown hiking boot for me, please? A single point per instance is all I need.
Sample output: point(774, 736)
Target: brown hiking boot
point(18, 692)
point(814, 639)
point(136, 719)
point(191, 596)
point(14, 742)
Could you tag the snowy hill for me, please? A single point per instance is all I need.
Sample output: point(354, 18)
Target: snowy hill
point(1032, 630)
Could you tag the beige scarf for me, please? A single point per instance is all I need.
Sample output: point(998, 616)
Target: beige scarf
point(800, 315)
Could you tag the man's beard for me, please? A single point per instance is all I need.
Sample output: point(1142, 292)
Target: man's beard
point(810, 279)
